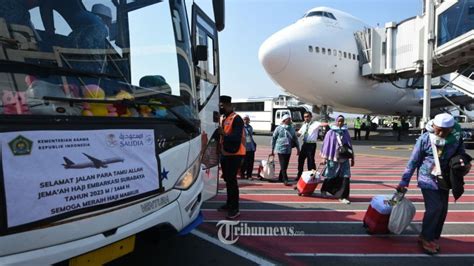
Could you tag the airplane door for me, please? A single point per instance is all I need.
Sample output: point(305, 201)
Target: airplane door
point(204, 41)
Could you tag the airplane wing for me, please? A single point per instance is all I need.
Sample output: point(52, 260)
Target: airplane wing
point(97, 163)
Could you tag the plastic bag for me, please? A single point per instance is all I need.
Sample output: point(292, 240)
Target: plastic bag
point(401, 216)
point(268, 171)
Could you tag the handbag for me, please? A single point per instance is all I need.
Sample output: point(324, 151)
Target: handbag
point(344, 151)
point(292, 140)
point(442, 182)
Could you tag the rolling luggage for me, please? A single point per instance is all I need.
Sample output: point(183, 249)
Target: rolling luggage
point(307, 183)
point(378, 215)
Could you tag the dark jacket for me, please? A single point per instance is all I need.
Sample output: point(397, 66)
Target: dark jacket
point(459, 166)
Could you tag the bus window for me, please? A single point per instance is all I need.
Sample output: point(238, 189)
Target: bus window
point(96, 50)
point(147, 46)
point(248, 106)
point(296, 116)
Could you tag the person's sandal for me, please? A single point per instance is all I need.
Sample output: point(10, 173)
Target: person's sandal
point(429, 247)
point(420, 239)
point(436, 241)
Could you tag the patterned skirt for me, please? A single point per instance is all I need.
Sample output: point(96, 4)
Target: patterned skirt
point(341, 168)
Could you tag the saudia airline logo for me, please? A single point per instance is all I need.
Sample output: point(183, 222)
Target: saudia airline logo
point(20, 146)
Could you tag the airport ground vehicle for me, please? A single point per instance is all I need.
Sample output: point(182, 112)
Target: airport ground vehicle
point(266, 114)
point(467, 127)
point(99, 99)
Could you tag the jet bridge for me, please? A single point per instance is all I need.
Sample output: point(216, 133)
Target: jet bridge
point(463, 81)
point(396, 51)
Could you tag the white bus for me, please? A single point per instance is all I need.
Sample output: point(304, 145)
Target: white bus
point(105, 126)
point(266, 114)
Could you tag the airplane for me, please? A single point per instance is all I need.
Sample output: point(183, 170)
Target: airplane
point(316, 59)
point(94, 162)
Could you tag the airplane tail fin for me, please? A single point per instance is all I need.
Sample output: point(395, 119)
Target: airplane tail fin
point(67, 163)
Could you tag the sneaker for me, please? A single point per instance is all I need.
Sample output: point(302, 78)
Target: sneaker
point(345, 201)
point(223, 208)
point(232, 214)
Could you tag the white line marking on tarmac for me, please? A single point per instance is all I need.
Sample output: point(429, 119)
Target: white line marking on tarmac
point(320, 222)
point(362, 195)
point(333, 201)
point(378, 235)
point(352, 189)
point(373, 255)
point(234, 249)
point(303, 210)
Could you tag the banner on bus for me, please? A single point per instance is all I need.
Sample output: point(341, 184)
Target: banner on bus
point(48, 174)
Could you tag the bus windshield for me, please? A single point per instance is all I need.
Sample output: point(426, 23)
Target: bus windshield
point(98, 53)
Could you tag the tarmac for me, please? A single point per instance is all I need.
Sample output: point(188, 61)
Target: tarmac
point(277, 226)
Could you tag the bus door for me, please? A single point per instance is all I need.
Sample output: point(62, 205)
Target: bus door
point(206, 60)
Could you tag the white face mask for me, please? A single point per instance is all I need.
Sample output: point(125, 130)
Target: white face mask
point(438, 141)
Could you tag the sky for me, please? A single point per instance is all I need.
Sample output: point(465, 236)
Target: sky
point(250, 22)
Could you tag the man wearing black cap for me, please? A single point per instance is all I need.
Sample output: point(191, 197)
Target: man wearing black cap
point(232, 152)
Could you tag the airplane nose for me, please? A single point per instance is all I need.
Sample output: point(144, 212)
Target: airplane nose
point(274, 54)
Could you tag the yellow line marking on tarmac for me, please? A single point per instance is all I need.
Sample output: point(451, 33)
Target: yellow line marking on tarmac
point(392, 148)
point(387, 156)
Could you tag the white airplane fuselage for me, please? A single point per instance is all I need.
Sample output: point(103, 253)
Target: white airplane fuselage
point(292, 61)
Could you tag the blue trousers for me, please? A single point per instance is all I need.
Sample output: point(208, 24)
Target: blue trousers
point(436, 210)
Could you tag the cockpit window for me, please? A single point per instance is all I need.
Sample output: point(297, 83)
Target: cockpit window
point(320, 14)
point(329, 15)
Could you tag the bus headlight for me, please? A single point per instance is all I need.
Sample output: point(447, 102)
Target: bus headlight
point(189, 177)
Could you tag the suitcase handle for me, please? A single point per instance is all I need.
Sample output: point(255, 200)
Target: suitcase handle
point(271, 156)
point(397, 197)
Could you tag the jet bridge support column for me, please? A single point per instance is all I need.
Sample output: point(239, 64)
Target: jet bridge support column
point(389, 27)
point(428, 60)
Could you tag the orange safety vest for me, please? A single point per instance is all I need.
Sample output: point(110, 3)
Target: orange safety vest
point(227, 126)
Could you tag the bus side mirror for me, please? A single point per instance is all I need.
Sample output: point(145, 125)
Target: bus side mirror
point(201, 53)
point(219, 14)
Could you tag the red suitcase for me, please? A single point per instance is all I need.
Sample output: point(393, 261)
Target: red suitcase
point(307, 183)
point(378, 215)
